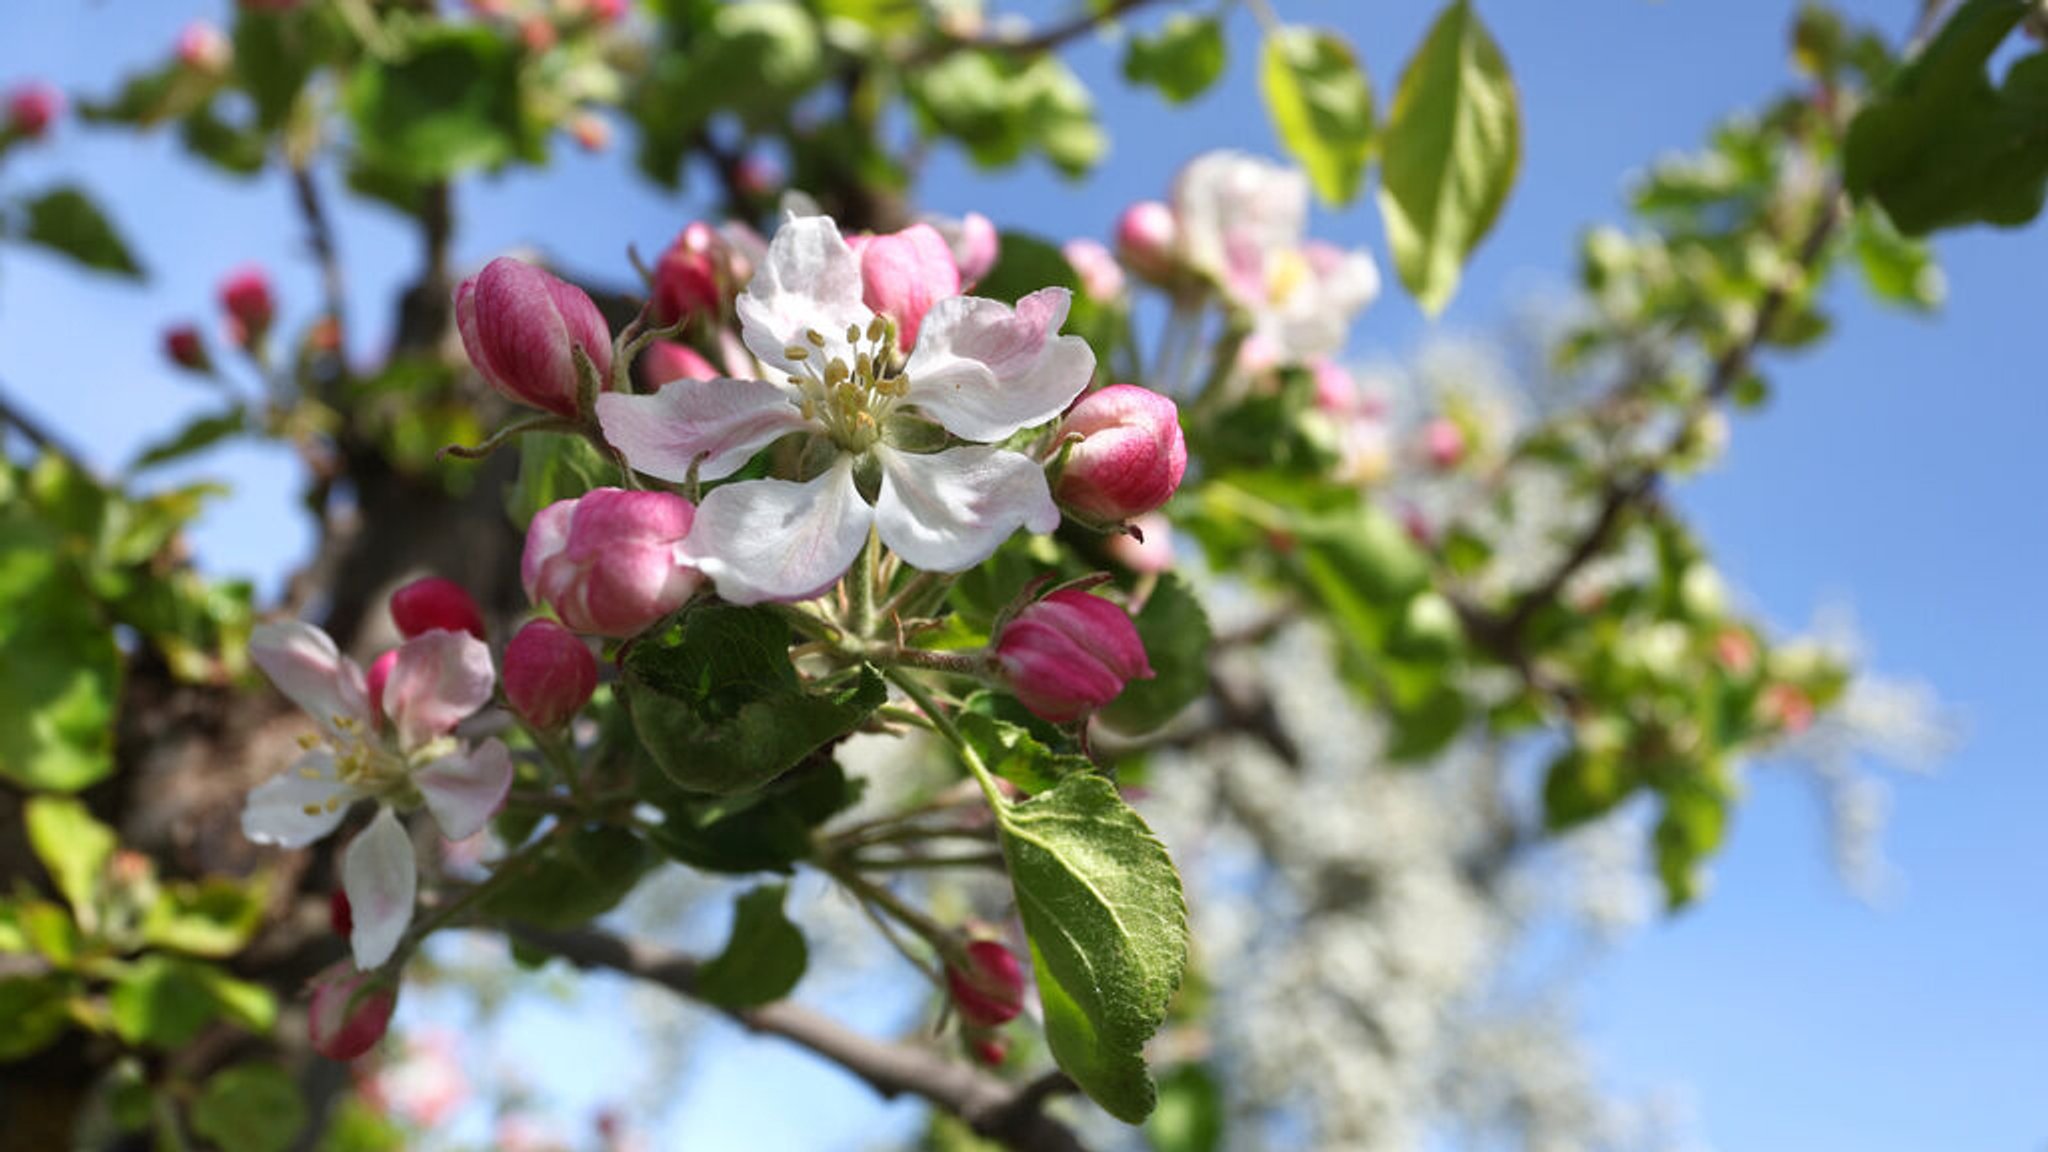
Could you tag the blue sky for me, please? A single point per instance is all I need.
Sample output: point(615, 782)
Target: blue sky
point(1893, 471)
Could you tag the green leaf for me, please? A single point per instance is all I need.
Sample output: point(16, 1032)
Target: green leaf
point(1321, 105)
point(1582, 786)
point(1102, 905)
point(764, 831)
point(75, 847)
point(555, 467)
point(275, 54)
point(1449, 154)
point(215, 917)
point(718, 704)
point(581, 876)
point(67, 222)
point(1182, 60)
point(34, 1011)
point(59, 668)
point(250, 1108)
point(1897, 269)
point(1942, 147)
point(1000, 107)
point(1694, 822)
point(197, 436)
point(1010, 751)
point(163, 1001)
point(764, 957)
point(1024, 264)
point(449, 103)
point(1190, 1116)
point(1176, 634)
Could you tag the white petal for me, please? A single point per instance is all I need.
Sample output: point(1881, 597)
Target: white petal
point(299, 805)
point(778, 539)
point(723, 422)
point(440, 677)
point(1236, 211)
point(306, 666)
point(464, 792)
point(380, 877)
point(809, 280)
point(987, 371)
point(950, 510)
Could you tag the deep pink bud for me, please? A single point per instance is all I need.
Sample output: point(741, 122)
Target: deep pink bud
point(1443, 442)
point(204, 48)
point(186, 348)
point(1069, 654)
point(245, 297)
point(1131, 457)
point(32, 108)
point(665, 361)
point(607, 11)
point(690, 279)
point(991, 1051)
point(519, 325)
point(606, 562)
point(431, 602)
point(350, 1011)
point(340, 917)
point(374, 679)
point(990, 992)
point(904, 273)
point(1101, 276)
point(549, 673)
point(1147, 235)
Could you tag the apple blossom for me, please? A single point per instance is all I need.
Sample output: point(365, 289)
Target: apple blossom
point(609, 562)
point(1443, 443)
point(1101, 276)
point(981, 370)
point(549, 673)
point(990, 991)
point(435, 680)
point(1130, 457)
point(521, 328)
point(700, 271)
point(432, 602)
point(32, 108)
point(1069, 654)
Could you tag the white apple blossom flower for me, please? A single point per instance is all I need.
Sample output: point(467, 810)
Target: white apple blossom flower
point(981, 371)
point(1242, 221)
point(399, 753)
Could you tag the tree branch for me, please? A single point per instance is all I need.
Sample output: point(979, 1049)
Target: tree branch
point(1038, 43)
point(1011, 1115)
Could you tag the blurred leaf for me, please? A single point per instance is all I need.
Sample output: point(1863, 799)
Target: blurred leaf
point(1182, 60)
point(241, 151)
point(59, 668)
point(1691, 829)
point(74, 847)
point(555, 467)
point(250, 1108)
point(748, 60)
point(197, 436)
point(1025, 264)
point(763, 958)
point(1449, 154)
point(34, 1011)
point(764, 831)
point(1582, 786)
point(215, 917)
point(1175, 631)
point(66, 221)
point(164, 1001)
point(1102, 905)
point(1000, 107)
point(277, 51)
point(579, 877)
point(1897, 269)
point(1321, 105)
point(449, 103)
point(1190, 1117)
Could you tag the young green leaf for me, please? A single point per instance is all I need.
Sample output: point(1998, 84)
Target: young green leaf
point(33, 1012)
point(1010, 751)
point(1102, 905)
point(1321, 105)
point(62, 672)
point(1176, 635)
point(75, 848)
point(449, 103)
point(1449, 154)
point(763, 959)
point(250, 1108)
point(67, 222)
point(214, 917)
point(1182, 59)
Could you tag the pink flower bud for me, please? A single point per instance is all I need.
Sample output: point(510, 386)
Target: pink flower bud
point(665, 361)
point(245, 297)
point(1443, 442)
point(431, 602)
point(187, 349)
point(606, 562)
point(32, 108)
point(593, 133)
point(990, 992)
point(1131, 457)
point(904, 273)
point(340, 917)
point(976, 248)
point(351, 1011)
point(990, 1051)
point(1147, 236)
point(1336, 392)
point(1152, 554)
point(549, 673)
point(1735, 651)
point(1069, 654)
point(691, 278)
point(1786, 707)
point(374, 679)
point(1101, 276)
point(204, 48)
point(519, 325)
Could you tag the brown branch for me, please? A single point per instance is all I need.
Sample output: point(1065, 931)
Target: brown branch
point(320, 238)
point(1045, 40)
point(1011, 1115)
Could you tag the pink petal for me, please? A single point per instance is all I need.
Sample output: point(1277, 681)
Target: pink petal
point(987, 371)
point(808, 280)
point(439, 678)
point(306, 666)
point(464, 792)
point(722, 422)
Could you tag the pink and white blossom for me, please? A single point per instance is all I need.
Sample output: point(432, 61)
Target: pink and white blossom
point(398, 750)
point(979, 370)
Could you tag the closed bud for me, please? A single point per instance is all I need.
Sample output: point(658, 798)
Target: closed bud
point(1443, 442)
point(989, 1050)
point(204, 48)
point(32, 108)
point(904, 273)
point(976, 246)
point(549, 673)
point(245, 296)
point(350, 1012)
point(989, 992)
point(187, 349)
point(374, 679)
point(521, 326)
point(1101, 276)
point(1130, 458)
point(694, 277)
point(607, 561)
point(430, 603)
point(340, 917)
point(1069, 654)
point(1148, 239)
point(665, 361)
point(593, 133)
